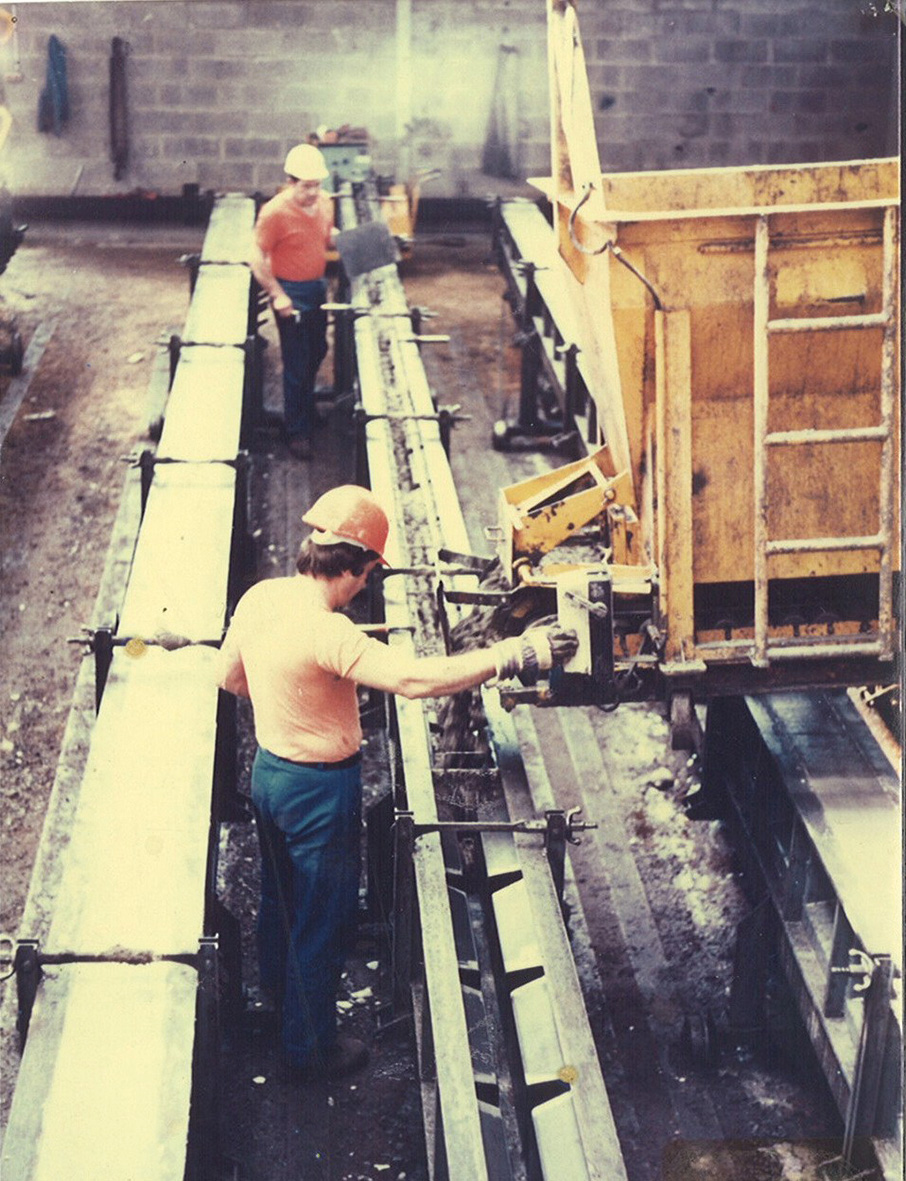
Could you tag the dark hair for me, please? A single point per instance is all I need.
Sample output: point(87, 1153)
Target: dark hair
point(331, 561)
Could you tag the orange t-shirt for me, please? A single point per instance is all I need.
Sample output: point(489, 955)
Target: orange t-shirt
point(295, 241)
point(296, 661)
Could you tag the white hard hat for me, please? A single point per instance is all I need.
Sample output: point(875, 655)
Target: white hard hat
point(305, 162)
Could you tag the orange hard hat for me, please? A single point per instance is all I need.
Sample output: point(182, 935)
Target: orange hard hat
point(349, 513)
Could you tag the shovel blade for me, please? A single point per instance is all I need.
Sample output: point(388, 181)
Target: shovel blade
point(366, 248)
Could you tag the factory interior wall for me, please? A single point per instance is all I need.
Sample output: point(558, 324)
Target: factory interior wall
point(217, 91)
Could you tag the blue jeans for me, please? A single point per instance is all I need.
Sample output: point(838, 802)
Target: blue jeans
point(303, 346)
point(309, 825)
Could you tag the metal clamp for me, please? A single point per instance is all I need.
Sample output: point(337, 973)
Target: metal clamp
point(524, 265)
point(136, 644)
point(141, 459)
point(861, 965)
point(599, 610)
point(101, 641)
point(29, 961)
point(146, 461)
point(548, 825)
point(442, 414)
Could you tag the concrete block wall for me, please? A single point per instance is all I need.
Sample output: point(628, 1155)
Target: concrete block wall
point(219, 89)
point(703, 83)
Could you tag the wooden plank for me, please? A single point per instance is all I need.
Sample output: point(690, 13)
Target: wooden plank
point(106, 1076)
point(134, 874)
point(180, 573)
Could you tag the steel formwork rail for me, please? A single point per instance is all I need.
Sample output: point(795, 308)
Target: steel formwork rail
point(136, 819)
point(385, 347)
point(461, 1127)
point(827, 800)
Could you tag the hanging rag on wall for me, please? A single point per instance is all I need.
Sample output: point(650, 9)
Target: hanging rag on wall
point(119, 115)
point(500, 151)
point(53, 102)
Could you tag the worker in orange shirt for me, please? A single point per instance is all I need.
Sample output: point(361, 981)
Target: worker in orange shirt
point(299, 658)
point(289, 257)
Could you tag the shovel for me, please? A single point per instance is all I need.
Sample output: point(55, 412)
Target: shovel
point(366, 248)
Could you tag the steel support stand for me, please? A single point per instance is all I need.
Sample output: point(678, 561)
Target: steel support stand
point(839, 971)
point(750, 970)
point(530, 345)
point(872, 1108)
point(555, 846)
point(242, 553)
point(445, 420)
point(204, 1156)
point(174, 347)
point(359, 421)
point(103, 657)
point(253, 383)
point(344, 352)
point(192, 263)
point(229, 803)
point(571, 390)
point(229, 940)
point(379, 840)
point(27, 967)
point(403, 910)
point(146, 475)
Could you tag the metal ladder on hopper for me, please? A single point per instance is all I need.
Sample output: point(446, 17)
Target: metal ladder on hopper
point(883, 540)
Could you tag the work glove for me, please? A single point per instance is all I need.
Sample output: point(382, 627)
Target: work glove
point(534, 652)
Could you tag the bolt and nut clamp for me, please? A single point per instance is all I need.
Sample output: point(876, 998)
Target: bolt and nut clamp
point(136, 645)
point(572, 825)
point(861, 966)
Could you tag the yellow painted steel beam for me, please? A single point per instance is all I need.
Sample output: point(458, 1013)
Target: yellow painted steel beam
point(674, 452)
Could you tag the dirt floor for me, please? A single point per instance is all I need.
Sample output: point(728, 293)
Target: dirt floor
point(108, 293)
